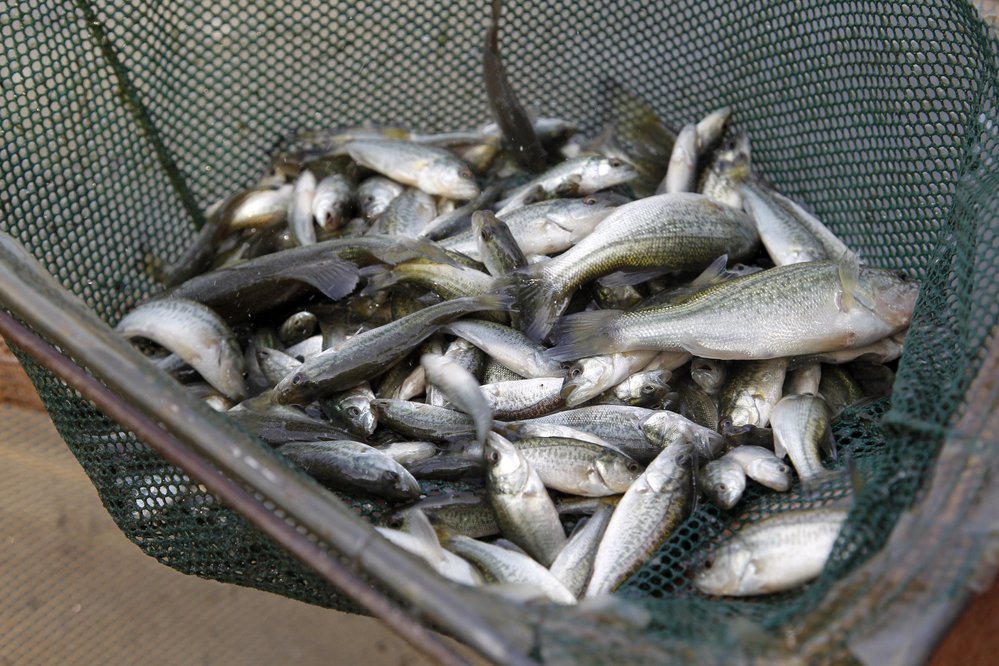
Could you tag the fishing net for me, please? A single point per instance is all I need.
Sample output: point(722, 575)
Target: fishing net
point(123, 120)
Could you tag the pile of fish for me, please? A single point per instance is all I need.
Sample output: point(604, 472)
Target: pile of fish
point(608, 326)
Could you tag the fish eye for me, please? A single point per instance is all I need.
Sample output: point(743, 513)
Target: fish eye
point(390, 476)
point(648, 388)
point(708, 563)
point(616, 163)
point(589, 201)
point(784, 469)
point(722, 487)
point(634, 467)
point(575, 371)
point(296, 379)
point(682, 459)
point(487, 234)
point(466, 174)
point(353, 411)
point(493, 457)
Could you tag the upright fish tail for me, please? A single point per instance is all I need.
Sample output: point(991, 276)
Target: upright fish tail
point(538, 300)
point(585, 334)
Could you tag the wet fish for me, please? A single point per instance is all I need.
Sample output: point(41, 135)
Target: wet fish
point(752, 390)
point(421, 421)
point(375, 194)
point(462, 389)
point(579, 468)
point(353, 466)
point(762, 466)
point(352, 408)
point(524, 398)
point(196, 334)
point(573, 177)
point(785, 311)
point(780, 552)
point(524, 510)
point(589, 377)
point(801, 429)
point(433, 170)
point(300, 209)
point(574, 564)
point(497, 247)
point(644, 518)
point(723, 481)
point(368, 353)
point(642, 389)
point(508, 346)
point(332, 201)
point(668, 231)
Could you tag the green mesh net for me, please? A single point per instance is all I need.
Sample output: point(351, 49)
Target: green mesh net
point(122, 120)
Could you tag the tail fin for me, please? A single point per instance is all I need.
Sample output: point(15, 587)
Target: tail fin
point(585, 334)
point(334, 277)
point(538, 300)
point(378, 277)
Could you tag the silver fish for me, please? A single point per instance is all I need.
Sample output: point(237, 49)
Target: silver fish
point(576, 177)
point(300, 209)
point(642, 388)
point(778, 553)
point(589, 377)
point(375, 194)
point(353, 409)
point(433, 170)
point(461, 388)
point(408, 213)
point(524, 510)
point(644, 518)
point(723, 481)
point(801, 428)
point(663, 232)
point(507, 566)
point(681, 175)
point(762, 466)
point(195, 333)
point(579, 468)
point(574, 564)
point(752, 390)
point(785, 311)
point(405, 453)
point(508, 346)
point(333, 199)
point(524, 398)
point(297, 327)
point(353, 466)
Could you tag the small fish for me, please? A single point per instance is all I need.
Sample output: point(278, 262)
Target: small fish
point(196, 334)
point(574, 564)
point(423, 543)
point(511, 117)
point(297, 327)
point(433, 170)
point(497, 247)
point(709, 374)
point(681, 176)
point(465, 513)
point(374, 196)
point(579, 468)
point(505, 566)
point(642, 389)
point(462, 389)
point(801, 429)
point(406, 453)
point(508, 346)
point(728, 167)
point(762, 466)
point(408, 213)
point(575, 177)
point(333, 200)
point(367, 354)
point(275, 364)
point(589, 377)
point(784, 311)
point(752, 390)
point(780, 552)
point(644, 518)
point(524, 398)
point(353, 466)
point(803, 379)
point(663, 232)
point(839, 389)
point(300, 209)
point(524, 510)
point(723, 481)
point(352, 408)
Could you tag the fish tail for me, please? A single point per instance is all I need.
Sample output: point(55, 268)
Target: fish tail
point(538, 301)
point(377, 277)
point(813, 485)
point(334, 277)
point(585, 334)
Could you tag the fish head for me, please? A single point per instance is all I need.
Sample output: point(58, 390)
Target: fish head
point(890, 295)
point(585, 378)
point(707, 373)
point(723, 481)
point(610, 171)
point(506, 468)
point(772, 472)
point(397, 482)
point(617, 471)
point(454, 183)
point(723, 571)
point(295, 389)
point(358, 414)
point(673, 463)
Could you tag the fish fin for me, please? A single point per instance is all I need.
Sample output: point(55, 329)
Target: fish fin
point(627, 278)
point(828, 442)
point(812, 486)
point(406, 248)
point(569, 187)
point(416, 523)
point(584, 334)
point(715, 273)
point(849, 274)
point(537, 300)
point(334, 277)
point(378, 277)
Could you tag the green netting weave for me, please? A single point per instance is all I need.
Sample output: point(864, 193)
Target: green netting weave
point(121, 120)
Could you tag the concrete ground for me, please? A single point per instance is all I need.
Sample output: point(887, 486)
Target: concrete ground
point(74, 590)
